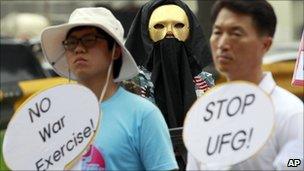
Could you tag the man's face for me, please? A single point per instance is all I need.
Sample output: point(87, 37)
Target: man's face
point(88, 59)
point(237, 49)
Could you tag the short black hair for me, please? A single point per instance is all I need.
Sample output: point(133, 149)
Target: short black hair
point(261, 11)
point(117, 62)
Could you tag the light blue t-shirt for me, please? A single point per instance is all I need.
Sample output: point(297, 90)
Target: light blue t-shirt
point(133, 135)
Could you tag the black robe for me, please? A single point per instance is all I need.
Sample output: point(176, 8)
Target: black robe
point(173, 63)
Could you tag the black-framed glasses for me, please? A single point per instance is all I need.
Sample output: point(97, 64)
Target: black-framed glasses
point(87, 41)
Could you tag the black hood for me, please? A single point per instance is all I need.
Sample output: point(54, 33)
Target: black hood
point(140, 45)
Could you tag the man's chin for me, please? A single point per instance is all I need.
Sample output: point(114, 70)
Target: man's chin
point(80, 74)
point(222, 70)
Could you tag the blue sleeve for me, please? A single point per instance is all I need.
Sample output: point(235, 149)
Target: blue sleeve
point(155, 144)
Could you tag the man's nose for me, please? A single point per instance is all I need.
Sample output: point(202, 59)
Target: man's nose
point(223, 42)
point(79, 48)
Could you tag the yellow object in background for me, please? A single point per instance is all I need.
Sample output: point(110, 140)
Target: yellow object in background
point(282, 73)
point(1, 95)
point(33, 86)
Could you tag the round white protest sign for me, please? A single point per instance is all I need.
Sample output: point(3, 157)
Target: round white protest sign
point(51, 128)
point(228, 124)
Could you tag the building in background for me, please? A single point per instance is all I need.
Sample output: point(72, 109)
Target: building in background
point(290, 13)
point(57, 12)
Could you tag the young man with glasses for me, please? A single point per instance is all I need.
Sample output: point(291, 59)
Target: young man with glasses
point(132, 133)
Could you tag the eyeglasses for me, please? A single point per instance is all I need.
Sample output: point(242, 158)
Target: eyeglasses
point(87, 41)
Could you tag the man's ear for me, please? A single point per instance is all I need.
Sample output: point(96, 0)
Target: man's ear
point(117, 52)
point(267, 42)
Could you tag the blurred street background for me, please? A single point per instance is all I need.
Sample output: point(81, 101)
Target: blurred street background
point(289, 12)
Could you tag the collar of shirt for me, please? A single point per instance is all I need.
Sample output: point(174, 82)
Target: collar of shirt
point(267, 84)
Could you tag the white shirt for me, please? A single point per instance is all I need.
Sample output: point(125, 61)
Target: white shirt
point(286, 142)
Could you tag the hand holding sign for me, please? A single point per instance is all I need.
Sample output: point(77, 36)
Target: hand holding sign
point(51, 129)
point(228, 124)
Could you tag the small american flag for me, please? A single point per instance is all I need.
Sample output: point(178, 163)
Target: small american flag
point(200, 83)
point(143, 91)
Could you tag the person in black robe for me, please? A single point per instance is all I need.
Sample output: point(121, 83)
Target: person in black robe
point(174, 51)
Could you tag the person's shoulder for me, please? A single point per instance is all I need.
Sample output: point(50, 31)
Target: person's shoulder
point(283, 95)
point(137, 101)
point(286, 101)
point(140, 106)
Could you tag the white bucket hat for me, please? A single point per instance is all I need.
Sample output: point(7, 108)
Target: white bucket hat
point(52, 37)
